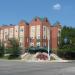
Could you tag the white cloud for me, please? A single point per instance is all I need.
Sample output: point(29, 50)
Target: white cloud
point(57, 6)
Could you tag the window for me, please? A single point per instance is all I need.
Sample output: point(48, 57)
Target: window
point(38, 37)
point(21, 39)
point(16, 30)
point(6, 36)
point(32, 32)
point(44, 37)
point(44, 44)
point(32, 38)
point(21, 30)
point(32, 44)
point(59, 33)
point(38, 44)
point(21, 44)
point(5, 32)
point(11, 30)
point(44, 28)
point(58, 40)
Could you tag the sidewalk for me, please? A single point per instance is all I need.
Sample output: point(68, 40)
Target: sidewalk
point(61, 61)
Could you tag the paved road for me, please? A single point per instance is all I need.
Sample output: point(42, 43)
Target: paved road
point(27, 68)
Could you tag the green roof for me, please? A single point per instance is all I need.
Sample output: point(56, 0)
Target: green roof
point(41, 18)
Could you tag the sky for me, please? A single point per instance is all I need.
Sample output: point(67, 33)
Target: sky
point(12, 11)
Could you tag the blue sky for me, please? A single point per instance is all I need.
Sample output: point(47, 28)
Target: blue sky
point(12, 11)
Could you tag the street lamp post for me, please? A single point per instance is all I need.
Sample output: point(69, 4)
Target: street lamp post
point(48, 49)
point(48, 44)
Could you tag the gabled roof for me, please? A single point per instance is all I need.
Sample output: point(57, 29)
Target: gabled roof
point(57, 23)
point(23, 21)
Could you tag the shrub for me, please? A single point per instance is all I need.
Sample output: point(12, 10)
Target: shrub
point(66, 54)
point(33, 50)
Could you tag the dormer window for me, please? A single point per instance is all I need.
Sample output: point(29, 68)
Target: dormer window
point(35, 19)
point(46, 20)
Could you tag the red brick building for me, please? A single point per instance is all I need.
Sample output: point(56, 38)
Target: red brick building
point(36, 33)
point(40, 31)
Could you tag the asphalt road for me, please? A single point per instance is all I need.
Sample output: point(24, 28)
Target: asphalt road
point(35, 68)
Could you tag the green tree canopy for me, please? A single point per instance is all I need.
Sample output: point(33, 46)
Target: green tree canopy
point(69, 34)
point(13, 47)
point(67, 43)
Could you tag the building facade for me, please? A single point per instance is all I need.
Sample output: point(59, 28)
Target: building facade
point(37, 33)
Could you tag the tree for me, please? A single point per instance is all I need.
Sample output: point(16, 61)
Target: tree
point(13, 48)
point(67, 41)
point(1, 49)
